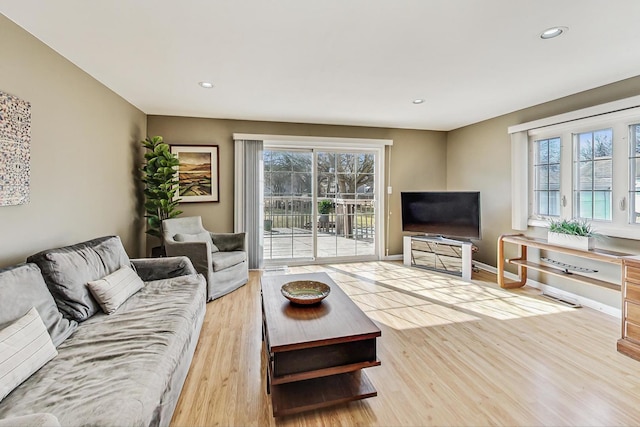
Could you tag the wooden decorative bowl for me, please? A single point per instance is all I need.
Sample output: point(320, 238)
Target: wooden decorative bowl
point(305, 292)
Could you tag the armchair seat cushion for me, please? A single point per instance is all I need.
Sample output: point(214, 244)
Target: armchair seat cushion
point(224, 260)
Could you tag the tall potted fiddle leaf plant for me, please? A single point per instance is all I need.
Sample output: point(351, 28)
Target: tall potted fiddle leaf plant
point(160, 176)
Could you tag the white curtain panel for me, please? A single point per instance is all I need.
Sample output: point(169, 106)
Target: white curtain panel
point(248, 211)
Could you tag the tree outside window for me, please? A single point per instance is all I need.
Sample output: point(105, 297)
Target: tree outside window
point(547, 177)
point(594, 174)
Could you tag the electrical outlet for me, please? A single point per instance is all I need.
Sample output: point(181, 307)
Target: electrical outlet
point(389, 190)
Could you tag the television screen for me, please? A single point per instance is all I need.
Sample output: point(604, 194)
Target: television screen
point(444, 213)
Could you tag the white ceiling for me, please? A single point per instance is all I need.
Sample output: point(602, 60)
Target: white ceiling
point(348, 62)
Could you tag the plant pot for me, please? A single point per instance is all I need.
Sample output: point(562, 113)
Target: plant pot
point(570, 241)
point(157, 252)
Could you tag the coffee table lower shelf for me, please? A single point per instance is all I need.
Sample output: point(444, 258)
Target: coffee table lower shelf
point(300, 396)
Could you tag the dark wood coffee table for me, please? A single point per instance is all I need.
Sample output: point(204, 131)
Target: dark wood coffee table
point(315, 354)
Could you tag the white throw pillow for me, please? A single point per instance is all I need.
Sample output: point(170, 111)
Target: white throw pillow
point(112, 291)
point(25, 347)
point(198, 237)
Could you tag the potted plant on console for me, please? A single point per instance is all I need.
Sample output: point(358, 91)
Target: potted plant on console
point(571, 233)
point(161, 184)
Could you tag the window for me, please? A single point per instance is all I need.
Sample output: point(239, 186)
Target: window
point(584, 164)
point(593, 168)
point(547, 177)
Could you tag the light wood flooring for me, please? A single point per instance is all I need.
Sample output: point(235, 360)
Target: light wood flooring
point(453, 353)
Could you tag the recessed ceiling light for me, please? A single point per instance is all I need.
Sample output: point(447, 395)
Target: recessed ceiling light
point(206, 85)
point(418, 101)
point(552, 32)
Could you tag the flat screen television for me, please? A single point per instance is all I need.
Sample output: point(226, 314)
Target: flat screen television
point(454, 214)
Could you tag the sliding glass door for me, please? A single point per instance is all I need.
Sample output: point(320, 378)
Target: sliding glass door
point(319, 205)
point(345, 186)
point(288, 205)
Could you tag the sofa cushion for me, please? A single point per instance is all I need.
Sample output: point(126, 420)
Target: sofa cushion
point(198, 237)
point(222, 260)
point(67, 271)
point(22, 287)
point(25, 346)
point(116, 288)
point(115, 370)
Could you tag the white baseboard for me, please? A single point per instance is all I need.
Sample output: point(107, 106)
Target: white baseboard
point(586, 302)
point(485, 267)
point(392, 257)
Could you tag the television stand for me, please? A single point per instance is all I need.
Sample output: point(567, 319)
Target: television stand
point(438, 254)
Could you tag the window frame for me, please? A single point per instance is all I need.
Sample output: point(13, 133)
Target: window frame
point(373, 146)
point(634, 173)
point(620, 122)
point(533, 148)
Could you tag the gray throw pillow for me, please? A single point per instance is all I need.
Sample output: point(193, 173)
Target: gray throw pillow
point(67, 271)
point(199, 237)
point(22, 287)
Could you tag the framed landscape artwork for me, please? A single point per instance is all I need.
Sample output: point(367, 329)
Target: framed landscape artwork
point(198, 173)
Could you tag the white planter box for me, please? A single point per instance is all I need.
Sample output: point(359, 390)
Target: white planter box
point(570, 241)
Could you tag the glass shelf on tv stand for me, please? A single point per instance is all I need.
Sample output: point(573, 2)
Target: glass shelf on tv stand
point(438, 253)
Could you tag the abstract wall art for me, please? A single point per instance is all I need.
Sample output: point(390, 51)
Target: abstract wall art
point(15, 154)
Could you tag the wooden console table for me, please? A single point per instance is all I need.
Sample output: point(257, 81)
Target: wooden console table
point(315, 354)
point(523, 263)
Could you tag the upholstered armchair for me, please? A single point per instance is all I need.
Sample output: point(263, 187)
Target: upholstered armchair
point(220, 257)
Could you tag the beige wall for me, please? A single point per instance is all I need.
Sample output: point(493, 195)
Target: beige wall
point(479, 157)
point(417, 160)
point(84, 149)
point(85, 153)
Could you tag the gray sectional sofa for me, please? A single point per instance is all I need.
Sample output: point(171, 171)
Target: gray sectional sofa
point(121, 369)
